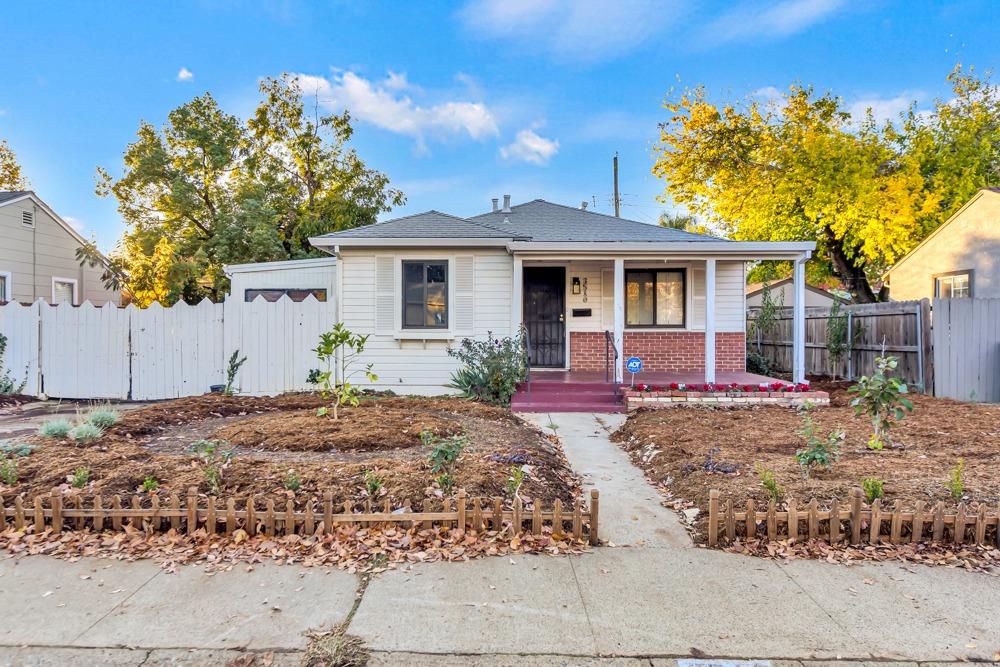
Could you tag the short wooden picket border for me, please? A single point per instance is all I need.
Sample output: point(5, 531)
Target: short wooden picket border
point(222, 517)
point(853, 522)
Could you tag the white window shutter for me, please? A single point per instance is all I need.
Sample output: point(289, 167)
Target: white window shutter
point(385, 294)
point(465, 294)
point(608, 299)
point(696, 319)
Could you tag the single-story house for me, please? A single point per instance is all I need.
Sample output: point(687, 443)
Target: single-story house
point(783, 293)
point(591, 290)
point(958, 260)
point(38, 256)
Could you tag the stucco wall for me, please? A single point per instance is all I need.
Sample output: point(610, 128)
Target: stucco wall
point(971, 240)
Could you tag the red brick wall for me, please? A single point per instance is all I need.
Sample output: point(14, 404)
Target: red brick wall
point(661, 350)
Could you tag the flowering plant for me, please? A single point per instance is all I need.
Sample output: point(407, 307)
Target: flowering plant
point(722, 387)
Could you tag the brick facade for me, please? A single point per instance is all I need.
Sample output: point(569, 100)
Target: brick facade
point(663, 351)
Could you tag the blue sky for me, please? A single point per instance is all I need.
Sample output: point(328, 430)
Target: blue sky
point(457, 102)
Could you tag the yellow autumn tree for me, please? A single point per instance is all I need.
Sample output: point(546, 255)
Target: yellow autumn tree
point(797, 170)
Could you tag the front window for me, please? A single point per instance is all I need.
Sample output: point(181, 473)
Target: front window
point(63, 291)
point(655, 298)
point(425, 295)
point(953, 286)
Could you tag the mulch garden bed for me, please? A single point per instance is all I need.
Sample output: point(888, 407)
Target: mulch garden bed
point(687, 451)
point(271, 436)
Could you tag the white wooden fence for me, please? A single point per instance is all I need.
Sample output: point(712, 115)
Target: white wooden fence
point(154, 353)
point(966, 336)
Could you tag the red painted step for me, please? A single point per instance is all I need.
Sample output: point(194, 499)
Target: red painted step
point(551, 396)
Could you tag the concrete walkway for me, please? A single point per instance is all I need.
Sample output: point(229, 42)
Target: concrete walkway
point(651, 598)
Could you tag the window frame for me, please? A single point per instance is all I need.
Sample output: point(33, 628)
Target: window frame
point(311, 291)
point(684, 301)
point(7, 294)
point(76, 289)
point(447, 295)
point(935, 286)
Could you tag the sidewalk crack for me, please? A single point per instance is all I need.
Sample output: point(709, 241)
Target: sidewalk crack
point(583, 603)
point(117, 606)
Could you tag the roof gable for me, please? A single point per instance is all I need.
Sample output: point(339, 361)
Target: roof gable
point(429, 224)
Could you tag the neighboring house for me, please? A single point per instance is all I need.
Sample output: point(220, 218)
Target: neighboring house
point(38, 256)
point(959, 260)
point(782, 293)
point(578, 281)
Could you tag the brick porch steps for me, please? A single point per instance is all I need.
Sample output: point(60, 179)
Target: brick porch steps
point(549, 396)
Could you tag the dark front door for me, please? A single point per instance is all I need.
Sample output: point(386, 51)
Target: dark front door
point(545, 314)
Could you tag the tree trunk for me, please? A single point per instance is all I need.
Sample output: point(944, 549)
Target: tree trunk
point(852, 276)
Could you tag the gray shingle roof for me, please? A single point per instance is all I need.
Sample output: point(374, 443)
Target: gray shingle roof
point(8, 195)
point(430, 224)
point(541, 220)
point(537, 220)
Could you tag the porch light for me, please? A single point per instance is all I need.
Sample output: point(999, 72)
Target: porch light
point(576, 285)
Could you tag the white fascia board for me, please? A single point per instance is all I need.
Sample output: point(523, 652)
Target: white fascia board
point(230, 269)
point(715, 248)
point(359, 242)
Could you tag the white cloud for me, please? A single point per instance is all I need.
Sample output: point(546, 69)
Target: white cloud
point(75, 223)
point(884, 109)
point(383, 104)
point(769, 20)
point(587, 30)
point(529, 147)
point(184, 74)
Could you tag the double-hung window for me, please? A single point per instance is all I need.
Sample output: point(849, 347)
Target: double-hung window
point(655, 297)
point(425, 294)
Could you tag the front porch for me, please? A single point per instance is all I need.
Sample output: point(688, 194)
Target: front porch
point(584, 314)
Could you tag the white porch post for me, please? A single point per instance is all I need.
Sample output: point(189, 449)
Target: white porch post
point(709, 321)
point(619, 303)
point(799, 320)
point(517, 296)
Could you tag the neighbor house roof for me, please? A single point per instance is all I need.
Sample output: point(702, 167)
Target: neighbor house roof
point(940, 228)
point(13, 194)
point(534, 221)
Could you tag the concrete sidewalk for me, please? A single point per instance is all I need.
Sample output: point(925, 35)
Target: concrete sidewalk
point(654, 598)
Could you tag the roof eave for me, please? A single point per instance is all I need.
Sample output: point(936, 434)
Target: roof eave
point(749, 249)
point(392, 242)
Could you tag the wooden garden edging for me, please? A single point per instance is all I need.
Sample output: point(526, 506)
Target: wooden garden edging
point(146, 513)
point(853, 522)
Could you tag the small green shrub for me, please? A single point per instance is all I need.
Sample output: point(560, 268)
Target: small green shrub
point(215, 459)
point(86, 432)
point(515, 480)
point(446, 482)
point(8, 385)
point(818, 451)
point(769, 482)
point(8, 472)
point(491, 368)
point(873, 488)
point(232, 368)
point(79, 477)
point(955, 484)
point(373, 483)
point(758, 363)
point(339, 345)
point(103, 416)
point(882, 398)
point(292, 482)
point(15, 449)
point(444, 451)
point(55, 428)
point(150, 484)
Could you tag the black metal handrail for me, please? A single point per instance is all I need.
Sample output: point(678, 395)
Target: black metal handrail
point(526, 342)
point(609, 346)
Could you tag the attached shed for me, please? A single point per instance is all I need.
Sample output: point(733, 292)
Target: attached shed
point(271, 280)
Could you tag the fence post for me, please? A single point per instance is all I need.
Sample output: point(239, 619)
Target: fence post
point(595, 499)
point(460, 509)
point(192, 509)
point(850, 345)
point(926, 346)
point(713, 517)
point(56, 511)
point(856, 516)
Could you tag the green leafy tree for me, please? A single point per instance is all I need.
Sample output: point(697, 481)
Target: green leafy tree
point(10, 169)
point(806, 169)
point(208, 189)
point(882, 398)
point(340, 343)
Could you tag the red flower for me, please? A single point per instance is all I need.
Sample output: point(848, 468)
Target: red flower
point(674, 385)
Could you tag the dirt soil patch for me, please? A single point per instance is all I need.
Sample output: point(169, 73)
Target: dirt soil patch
point(688, 451)
point(275, 438)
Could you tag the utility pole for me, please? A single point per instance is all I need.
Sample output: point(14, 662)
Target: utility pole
point(618, 201)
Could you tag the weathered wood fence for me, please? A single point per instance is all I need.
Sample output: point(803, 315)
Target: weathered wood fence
point(904, 327)
point(853, 522)
point(967, 349)
point(59, 512)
